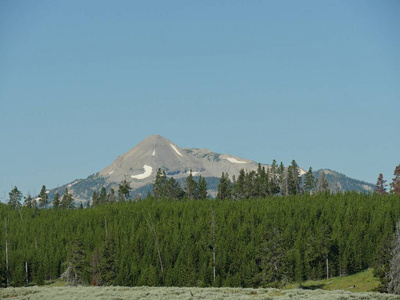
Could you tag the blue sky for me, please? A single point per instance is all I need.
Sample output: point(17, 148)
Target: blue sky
point(82, 82)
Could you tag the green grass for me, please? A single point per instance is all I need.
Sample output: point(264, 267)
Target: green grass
point(360, 282)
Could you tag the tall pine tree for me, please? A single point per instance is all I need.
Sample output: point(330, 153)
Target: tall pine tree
point(107, 262)
point(381, 185)
point(322, 184)
point(15, 198)
point(56, 200)
point(124, 190)
point(75, 264)
point(67, 201)
point(309, 182)
point(191, 187)
point(224, 187)
point(43, 197)
point(202, 191)
point(395, 185)
point(394, 273)
point(160, 184)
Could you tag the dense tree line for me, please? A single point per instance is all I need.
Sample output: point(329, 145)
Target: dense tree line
point(274, 226)
point(253, 242)
point(273, 181)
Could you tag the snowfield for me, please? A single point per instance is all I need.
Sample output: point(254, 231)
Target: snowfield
point(235, 161)
point(176, 150)
point(147, 172)
point(193, 173)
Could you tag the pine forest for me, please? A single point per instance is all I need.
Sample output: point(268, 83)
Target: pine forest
point(248, 243)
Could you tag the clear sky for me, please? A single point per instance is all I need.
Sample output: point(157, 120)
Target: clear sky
point(82, 82)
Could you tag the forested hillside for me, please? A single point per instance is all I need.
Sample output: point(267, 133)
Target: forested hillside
point(251, 242)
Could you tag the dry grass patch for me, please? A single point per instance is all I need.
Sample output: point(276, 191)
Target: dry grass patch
point(122, 293)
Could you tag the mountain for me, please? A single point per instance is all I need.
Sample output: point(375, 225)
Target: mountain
point(341, 182)
point(140, 164)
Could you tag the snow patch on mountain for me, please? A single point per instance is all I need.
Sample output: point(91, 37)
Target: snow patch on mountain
point(235, 161)
point(154, 152)
point(176, 150)
point(193, 173)
point(71, 184)
point(366, 187)
point(110, 172)
point(147, 172)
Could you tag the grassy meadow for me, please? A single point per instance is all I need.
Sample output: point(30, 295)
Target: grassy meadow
point(357, 286)
point(121, 293)
point(360, 282)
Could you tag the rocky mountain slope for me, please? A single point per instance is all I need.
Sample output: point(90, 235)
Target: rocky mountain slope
point(140, 164)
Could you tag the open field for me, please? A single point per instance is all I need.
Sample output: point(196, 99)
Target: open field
point(121, 293)
point(360, 282)
point(357, 286)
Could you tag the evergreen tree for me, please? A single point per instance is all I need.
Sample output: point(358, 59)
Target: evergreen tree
point(56, 200)
point(272, 260)
point(383, 255)
point(15, 198)
point(43, 197)
point(173, 190)
point(111, 197)
point(282, 179)
point(273, 179)
point(394, 273)
point(28, 201)
point(381, 185)
point(239, 186)
point(202, 191)
point(395, 185)
point(107, 262)
point(160, 184)
point(67, 200)
point(124, 190)
point(261, 182)
point(40, 276)
point(191, 187)
point(224, 187)
point(95, 267)
point(249, 186)
point(103, 196)
point(309, 182)
point(95, 199)
point(291, 188)
point(322, 185)
point(75, 264)
point(293, 180)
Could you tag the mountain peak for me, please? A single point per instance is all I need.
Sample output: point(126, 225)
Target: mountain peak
point(154, 137)
point(140, 164)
